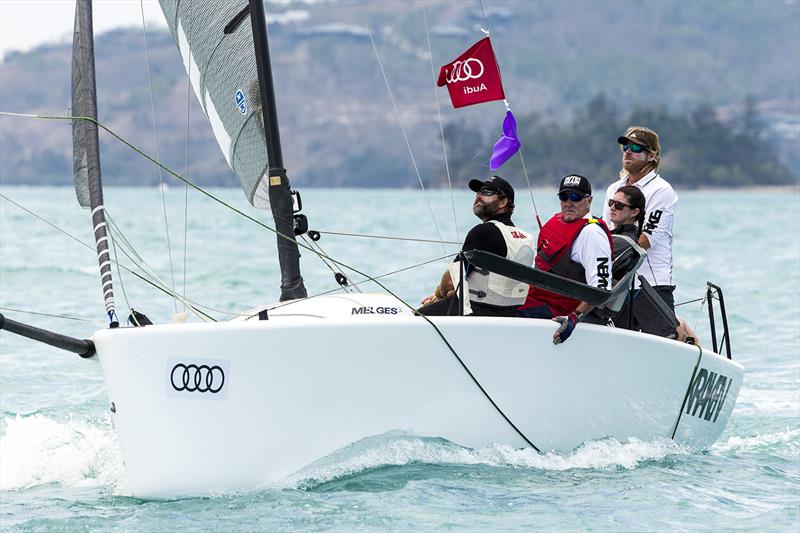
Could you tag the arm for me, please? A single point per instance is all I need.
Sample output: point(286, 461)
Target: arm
point(443, 290)
point(659, 216)
point(593, 251)
point(485, 237)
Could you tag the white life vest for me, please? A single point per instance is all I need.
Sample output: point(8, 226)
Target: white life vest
point(493, 289)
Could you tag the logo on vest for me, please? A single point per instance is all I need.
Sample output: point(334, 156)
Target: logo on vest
point(518, 234)
point(708, 393)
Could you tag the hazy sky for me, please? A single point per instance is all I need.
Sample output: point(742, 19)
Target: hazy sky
point(25, 24)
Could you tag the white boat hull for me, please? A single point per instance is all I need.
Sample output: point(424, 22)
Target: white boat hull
point(298, 388)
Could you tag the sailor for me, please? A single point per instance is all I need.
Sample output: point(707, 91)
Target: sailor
point(574, 245)
point(641, 155)
point(490, 294)
point(626, 210)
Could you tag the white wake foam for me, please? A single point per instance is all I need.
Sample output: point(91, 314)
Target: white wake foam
point(397, 449)
point(790, 436)
point(37, 450)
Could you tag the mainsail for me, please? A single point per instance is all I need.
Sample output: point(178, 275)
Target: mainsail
point(85, 145)
point(227, 68)
point(222, 70)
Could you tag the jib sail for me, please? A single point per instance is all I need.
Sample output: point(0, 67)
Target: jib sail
point(85, 146)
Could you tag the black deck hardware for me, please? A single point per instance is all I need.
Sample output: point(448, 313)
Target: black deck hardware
point(715, 292)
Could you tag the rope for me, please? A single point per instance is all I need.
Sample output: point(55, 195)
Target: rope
point(433, 241)
point(48, 314)
point(119, 273)
point(158, 151)
point(186, 171)
point(403, 129)
point(139, 261)
point(530, 189)
point(441, 124)
point(690, 301)
point(164, 289)
point(332, 268)
point(330, 291)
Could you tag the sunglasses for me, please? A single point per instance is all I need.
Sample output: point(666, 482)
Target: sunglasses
point(486, 191)
point(633, 147)
point(618, 205)
point(571, 196)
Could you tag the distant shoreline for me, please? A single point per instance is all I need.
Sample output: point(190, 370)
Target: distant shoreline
point(751, 188)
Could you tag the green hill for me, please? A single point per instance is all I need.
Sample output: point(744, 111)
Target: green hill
point(666, 63)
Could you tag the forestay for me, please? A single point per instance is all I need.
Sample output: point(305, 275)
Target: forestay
point(222, 70)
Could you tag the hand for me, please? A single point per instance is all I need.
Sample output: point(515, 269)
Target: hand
point(429, 299)
point(568, 323)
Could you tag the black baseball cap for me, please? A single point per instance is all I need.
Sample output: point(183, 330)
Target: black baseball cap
point(575, 183)
point(495, 183)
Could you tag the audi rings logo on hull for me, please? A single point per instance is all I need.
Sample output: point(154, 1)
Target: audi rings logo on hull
point(197, 378)
point(471, 69)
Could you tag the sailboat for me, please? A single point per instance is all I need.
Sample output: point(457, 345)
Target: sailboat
point(208, 408)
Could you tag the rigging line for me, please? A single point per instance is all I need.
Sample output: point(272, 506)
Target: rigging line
point(690, 301)
point(158, 151)
point(327, 264)
point(441, 125)
point(119, 273)
point(387, 274)
point(483, 14)
point(49, 314)
point(139, 262)
point(148, 281)
point(186, 171)
point(411, 239)
point(403, 129)
point(530, 189)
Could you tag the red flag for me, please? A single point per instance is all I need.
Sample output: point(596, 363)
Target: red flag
point(473, 77)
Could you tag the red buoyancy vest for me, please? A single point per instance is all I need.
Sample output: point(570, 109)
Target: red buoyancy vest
point(553, 255)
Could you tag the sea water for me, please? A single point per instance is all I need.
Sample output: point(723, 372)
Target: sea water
point(60, 462)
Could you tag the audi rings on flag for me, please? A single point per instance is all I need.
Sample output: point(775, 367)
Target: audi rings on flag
point(473, 77)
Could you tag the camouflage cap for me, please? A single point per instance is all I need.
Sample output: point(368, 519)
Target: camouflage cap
point(643, 137)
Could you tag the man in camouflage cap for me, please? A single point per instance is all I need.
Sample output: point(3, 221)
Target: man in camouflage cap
point(641, 157)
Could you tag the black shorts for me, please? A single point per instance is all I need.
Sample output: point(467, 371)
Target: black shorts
point(645, 316)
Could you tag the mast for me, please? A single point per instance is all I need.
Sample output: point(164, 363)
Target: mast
point(86, 146)
point(280, 195)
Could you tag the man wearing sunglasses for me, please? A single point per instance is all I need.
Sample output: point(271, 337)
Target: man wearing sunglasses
point(641, 156)
point(489, 294)
point(573, 245)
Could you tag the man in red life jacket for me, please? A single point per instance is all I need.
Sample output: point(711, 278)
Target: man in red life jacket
point(576, 246)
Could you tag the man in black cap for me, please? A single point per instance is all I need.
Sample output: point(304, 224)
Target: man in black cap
point(641, 157)
point(573, 245)
point(489, 294)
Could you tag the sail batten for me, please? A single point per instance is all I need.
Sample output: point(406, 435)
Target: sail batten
point(86, 145)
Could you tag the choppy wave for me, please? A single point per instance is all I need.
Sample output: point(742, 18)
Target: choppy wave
point(398, 449)
point(38, 450)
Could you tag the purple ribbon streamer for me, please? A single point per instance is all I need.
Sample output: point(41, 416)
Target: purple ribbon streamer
point(507, 145)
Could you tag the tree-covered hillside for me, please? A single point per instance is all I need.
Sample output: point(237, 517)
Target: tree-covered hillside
point(680, 67)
